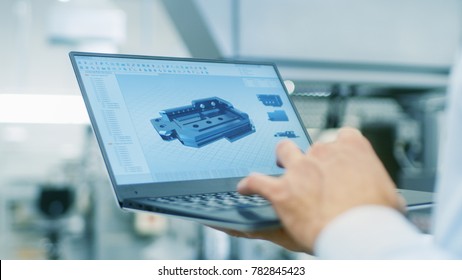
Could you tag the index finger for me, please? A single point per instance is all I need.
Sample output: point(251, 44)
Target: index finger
point(348, 134)
point(287, 152)
point(258, 184)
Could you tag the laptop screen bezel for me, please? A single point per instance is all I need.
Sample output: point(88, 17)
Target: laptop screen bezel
point(159, 189)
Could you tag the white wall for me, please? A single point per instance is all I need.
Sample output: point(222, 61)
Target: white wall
point(30, 63)
point(409, 32)
point(416, 32)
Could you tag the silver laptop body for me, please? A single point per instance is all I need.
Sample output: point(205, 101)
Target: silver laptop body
point(173, 131)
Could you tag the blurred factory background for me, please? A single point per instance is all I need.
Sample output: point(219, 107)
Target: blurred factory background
point(381, 66)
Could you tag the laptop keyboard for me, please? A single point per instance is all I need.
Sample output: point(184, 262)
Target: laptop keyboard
point(214, 201)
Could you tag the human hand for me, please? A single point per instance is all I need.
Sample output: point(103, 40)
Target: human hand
point(319, 186)
point(278, 236)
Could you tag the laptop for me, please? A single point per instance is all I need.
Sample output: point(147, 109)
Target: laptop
point(178, 134)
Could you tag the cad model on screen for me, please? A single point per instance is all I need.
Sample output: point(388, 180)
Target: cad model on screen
point(273, 100)
point(203, 122)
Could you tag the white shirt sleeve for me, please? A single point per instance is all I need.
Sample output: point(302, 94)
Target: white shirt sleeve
point(448, 211)
point(375, 232)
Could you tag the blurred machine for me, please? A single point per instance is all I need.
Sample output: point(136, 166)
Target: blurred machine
point(54, 202)
point(405, 129)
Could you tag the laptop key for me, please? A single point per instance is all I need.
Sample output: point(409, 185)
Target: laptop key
point(214, 201)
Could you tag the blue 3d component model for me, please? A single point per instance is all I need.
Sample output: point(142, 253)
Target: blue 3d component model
point(270, 100)
point(288, 134)
point(278, 116)
point(203, 122)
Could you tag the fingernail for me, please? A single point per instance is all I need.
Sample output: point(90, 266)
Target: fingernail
point(242, 184)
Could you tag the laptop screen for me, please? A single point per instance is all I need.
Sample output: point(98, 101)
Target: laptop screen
point(165, 120)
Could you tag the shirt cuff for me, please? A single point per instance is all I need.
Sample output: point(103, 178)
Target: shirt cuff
point(369, 232)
